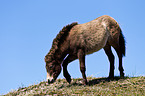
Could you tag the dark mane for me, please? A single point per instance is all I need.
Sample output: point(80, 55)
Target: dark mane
point(58, 40)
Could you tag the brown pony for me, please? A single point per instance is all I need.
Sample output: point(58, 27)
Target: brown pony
point(77, 40)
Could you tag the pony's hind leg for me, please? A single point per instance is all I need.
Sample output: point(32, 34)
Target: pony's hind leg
point(119, 53)
point(110, 55)
point(68, 59)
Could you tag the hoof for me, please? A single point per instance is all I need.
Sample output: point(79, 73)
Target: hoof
point(68, 80)
point(111, 77)
point(85, 82)
point(122, 75)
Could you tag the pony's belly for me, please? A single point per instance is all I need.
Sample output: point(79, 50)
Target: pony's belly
point(95, 48)
point(95, 44)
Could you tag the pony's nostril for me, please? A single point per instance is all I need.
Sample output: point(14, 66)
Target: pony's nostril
point(50, 81)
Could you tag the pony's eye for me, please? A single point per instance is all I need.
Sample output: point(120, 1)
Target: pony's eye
point(51, 66)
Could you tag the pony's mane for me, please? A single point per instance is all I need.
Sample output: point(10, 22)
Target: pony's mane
point(61, 36)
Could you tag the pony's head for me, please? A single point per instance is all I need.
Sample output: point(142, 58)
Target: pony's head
point(53, 69)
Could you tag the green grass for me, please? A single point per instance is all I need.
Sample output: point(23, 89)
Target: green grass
point(133, 86)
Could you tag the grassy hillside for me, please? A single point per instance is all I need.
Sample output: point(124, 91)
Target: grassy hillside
point(97, 86)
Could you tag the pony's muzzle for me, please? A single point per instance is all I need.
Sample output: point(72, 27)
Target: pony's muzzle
point(50, 81)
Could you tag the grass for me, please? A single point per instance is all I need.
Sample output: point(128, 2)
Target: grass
point(133, 86)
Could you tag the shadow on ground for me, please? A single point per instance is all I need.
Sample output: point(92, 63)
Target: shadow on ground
point(99, 80)
point(92, 81)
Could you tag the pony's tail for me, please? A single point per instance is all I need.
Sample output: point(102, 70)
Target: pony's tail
point(122, 43)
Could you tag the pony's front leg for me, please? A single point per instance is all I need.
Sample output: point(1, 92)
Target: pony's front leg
point(68, 59)
point(81, 57)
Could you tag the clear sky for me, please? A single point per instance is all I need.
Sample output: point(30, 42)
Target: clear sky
point(28, 27)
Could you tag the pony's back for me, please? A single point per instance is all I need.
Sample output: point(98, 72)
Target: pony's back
point(93, 35)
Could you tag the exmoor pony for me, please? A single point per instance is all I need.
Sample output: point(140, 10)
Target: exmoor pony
point(75, 41)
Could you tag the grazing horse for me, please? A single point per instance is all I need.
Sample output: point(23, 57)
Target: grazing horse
point(75, 41)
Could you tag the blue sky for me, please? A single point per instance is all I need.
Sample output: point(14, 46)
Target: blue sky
point(28, 27)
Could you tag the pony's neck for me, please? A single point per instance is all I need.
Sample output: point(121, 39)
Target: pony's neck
point(60, 55)
point(60, 45)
